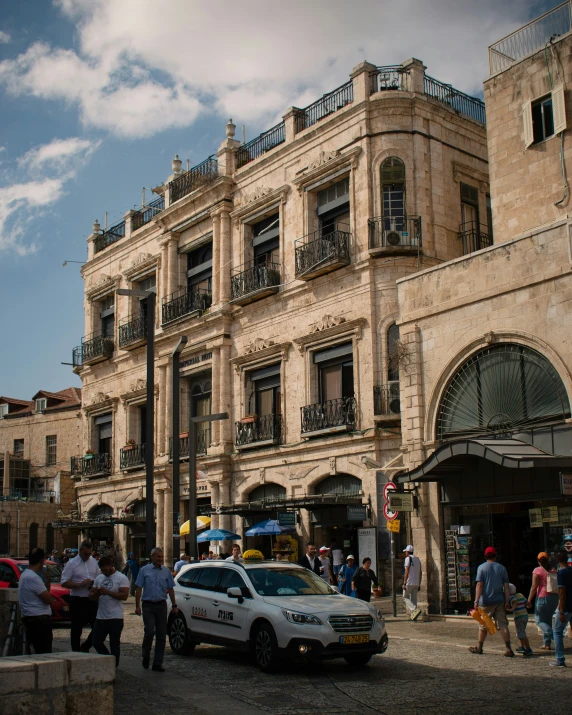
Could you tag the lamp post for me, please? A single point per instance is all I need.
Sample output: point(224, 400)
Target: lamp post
point(150, 530)
point(175, 446)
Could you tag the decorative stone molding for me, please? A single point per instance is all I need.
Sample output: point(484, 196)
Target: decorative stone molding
point(323, 157)
point(141, 263)
point(254, 195)
point(257, 201)
point(298, 473)
point(137, 391)
point(333, 471)
point(462, 171)
point(328, 321)
point(258, 344)
point(100, 403)
point(350, 329)
point(261, 475)
point(102, 285)
point(261, 356)
point(324, 164)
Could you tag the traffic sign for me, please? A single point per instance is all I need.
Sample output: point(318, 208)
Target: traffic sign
point(394, 525)
point(389, 513)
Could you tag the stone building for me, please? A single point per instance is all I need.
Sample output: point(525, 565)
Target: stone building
point(37, 439)
point(278, 259)
point(486, 378)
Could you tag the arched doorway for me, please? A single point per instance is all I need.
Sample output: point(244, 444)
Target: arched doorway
point(331, 520)
point(100, 529)
point(262, 500)
point(136, 534)
point(33, 536)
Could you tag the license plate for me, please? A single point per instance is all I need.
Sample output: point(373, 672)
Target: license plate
point(351, 640)
point(65, 609)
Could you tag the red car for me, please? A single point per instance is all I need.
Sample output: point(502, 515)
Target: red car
point(11, 570)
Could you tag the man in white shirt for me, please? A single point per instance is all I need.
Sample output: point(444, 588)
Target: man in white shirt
point(78, 575)
point(34, 598)
point(109, 590)
point(411, 582)
point(236, 557)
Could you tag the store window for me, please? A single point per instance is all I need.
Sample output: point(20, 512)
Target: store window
point(267, 492)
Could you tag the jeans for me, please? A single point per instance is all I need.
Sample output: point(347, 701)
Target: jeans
point(82, 611)
point(559, 629)
point(543, 613)
point(410, 597)
point(39, 630)
point(111, 627)
point(155, 626)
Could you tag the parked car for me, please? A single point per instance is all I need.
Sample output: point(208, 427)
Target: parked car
point(273, 610)
point(11, 570)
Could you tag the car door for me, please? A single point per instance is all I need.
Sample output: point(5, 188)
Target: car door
point(7, 576)
point(203, 596)
point(188, 599)
point(230, 618)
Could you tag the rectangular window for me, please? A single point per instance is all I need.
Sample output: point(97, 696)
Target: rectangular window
point(266, 390)
point(266, 240)
point(3, 411)
point(200, 268)
point(469, 207)
point(334, 207)
point(18, 447)
point(335, 372)
point(489, 216)
point(41, 404)
point(544, 117)
point(149, 284)
point(51, 450)
point(104, 433)
point(108, 316)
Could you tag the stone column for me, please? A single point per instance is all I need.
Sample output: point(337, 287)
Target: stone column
point(215, 498)
point(225, 393)
point(173, 277)
point(161, 411)
point(216, 401)
point(128, 216)
point(160, 498)
point(168, 529)
point(224, 267)
point(166, 414)
point(164, 277)
point(291, 122)
point(416, 70)
point(215, 216)
point(224, 499)
point(361, 76)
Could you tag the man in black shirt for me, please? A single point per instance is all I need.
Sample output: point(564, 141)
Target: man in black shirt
point(310, 560)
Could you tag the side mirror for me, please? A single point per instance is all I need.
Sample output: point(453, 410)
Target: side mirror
point(235, 592)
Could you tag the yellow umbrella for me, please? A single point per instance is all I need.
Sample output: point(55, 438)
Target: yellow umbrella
point(203, 522)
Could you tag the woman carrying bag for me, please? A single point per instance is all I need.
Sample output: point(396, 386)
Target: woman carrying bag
point(545, 588)
point(363, 578)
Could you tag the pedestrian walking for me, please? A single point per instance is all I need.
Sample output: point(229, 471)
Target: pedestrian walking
point(109, 590)
point(310, 560)
point(78, 575)
point(545, 588)
point(346, 577)
point(154, 583)
point(35, 602)
point(563, 614)
point(412, 582)
point(235, 556)
point(493, 596)
point(132, 571)
point(337, 558)
point(363, 578)
point(183, 561)
point(520, 615)
point(326, 573)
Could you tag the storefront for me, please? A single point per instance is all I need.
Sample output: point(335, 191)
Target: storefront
point(338, 522)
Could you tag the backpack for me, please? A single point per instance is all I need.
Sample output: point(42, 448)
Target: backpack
point(551, 582)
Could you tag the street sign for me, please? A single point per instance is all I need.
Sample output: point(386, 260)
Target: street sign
point(389, 513)
point(357, 513)
point(287, 518)
point(566, 483)
point(400, 501)
point(394, 525)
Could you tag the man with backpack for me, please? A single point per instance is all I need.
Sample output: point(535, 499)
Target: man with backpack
point(412, 582)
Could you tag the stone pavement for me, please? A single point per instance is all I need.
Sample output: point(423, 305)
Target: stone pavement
point(427, 669)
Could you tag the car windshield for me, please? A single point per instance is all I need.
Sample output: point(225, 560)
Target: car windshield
point(288, 582)
point(54, 571)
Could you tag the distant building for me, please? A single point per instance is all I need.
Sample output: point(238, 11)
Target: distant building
point(37, 439)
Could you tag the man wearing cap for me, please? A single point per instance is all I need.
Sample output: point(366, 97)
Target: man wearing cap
point(493, 596)
point(411, 582)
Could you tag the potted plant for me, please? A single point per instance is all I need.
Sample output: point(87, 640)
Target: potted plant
point(89, 454)
point(129, 445)
point(248, 419)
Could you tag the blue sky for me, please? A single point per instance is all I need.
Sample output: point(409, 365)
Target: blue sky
point(96, 97)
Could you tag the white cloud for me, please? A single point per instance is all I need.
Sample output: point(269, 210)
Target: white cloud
point(60, 155)
point(140, 70)
point(4, 37)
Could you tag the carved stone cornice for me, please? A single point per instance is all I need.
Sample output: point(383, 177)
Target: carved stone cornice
point(100, 402)
point(329, 328)
point(223, 207)
point(141, 263)
point(101, 285)
point(257, 200)
point(326, 163)
point(462, 171)
point(137, 390)
point(254, 355)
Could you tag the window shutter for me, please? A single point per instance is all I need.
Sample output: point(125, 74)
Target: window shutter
point(559, 109)
point(527, 122)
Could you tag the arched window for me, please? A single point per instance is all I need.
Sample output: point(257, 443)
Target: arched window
point(392, 353)
point(501, 388)
point(267, 492)
point(393, 194)
point(100, 511)
point(339, 484)
point(33, 536)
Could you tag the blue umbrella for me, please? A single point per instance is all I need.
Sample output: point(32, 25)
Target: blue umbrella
point(218, 535)
point(269, 527)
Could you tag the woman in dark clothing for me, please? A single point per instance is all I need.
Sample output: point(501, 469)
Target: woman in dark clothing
point(363, 578)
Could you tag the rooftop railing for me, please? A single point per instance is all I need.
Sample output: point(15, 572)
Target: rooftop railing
point(263, 143)
point(390, 77)
point(188, 181)
point(457, 101)
point(530, 38)
point(147, 212)
point(325, 106)
point(109, 236)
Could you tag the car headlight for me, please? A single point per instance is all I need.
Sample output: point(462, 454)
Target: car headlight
point(302, 618)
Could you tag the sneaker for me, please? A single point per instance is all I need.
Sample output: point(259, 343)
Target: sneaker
point(522, 649)
point(527, 651)
point(557, 664)
point(508, 653)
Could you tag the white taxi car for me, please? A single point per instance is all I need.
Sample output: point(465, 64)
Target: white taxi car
point(274, 610)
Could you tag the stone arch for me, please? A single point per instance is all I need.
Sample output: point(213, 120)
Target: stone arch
point(249, 484)
point(100, 510)
point(403, 154)
point(498, 336)
point(345, 484)
point(267, 491)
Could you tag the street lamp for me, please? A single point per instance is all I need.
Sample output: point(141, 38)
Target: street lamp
point(175, 447)
point(150, 413)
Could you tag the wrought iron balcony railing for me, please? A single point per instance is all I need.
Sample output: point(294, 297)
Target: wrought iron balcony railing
point(147, 212)
point(200, 175)
point(93, 348)
point(325, 106)
point(474, 237)
point(391, 77)
point(394, 234)
point(258, 431)
point(326, 416)
point(386, 399)
point(131, 457)
point(132, 330)
point(184, 302)
point(109, 236)
point(322, 251)
point(260, 145)
point(91, 465)
point(254, 281)
point(29, 495)
point(203, 440)
point(457, 101)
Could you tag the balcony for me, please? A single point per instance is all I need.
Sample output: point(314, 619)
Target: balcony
point(253, 282)
point(132, 457)
point(326, 417)
point(200, 175)
point(474, 237)
point(459, 102)
point(185, 303)
point(258, 431)
point(109, 236)
point(322, 251)
point(132, 332)
point(260, 145)
point(94, 348)
point(147, 213)
point(394, 236)
point(29, 495)
point(91, 465)
point(325, 106)
point(386, 400)
point(203, 440)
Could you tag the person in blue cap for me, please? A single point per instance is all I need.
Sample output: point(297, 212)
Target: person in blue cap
point(133, 571)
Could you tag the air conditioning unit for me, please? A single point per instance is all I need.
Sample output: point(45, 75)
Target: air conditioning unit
point(395, 232)
point(393, 401)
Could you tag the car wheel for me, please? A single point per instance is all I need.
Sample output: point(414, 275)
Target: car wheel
point(358, 659)
point(179, 636)
point(266, 649)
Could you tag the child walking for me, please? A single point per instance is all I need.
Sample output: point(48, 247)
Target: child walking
point(518, 608)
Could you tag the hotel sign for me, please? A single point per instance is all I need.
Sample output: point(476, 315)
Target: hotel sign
point(195, 360)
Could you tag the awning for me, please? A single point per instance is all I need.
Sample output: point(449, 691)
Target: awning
point(310, 501)
point(510, 453)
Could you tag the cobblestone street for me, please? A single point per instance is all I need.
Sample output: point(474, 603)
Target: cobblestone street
point(427, 669)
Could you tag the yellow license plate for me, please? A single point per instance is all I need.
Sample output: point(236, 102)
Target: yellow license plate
point(351, 640)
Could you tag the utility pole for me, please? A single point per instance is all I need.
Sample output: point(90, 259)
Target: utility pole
point(175, 449)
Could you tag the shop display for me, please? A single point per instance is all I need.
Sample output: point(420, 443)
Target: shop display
point(458, 566)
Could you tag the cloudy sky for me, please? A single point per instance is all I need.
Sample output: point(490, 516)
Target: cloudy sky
point(96, 96)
